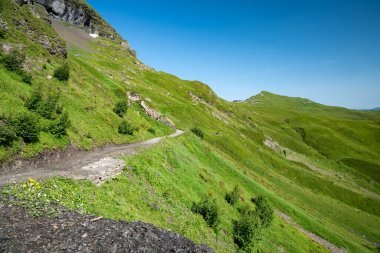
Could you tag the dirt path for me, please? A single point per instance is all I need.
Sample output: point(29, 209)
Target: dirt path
point(331, 247)
point(96, 165)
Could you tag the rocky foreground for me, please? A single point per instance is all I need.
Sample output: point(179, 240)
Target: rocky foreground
point(74, 232)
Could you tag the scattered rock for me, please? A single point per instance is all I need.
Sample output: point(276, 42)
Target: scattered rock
point(49, 77)
point(272, 144)
point(100, 171)
point(141, 65)
point(74, 232)
point(126, 47)
point(199, 99)
point(6, 48)
point(52, 44)
point(151, 113)
point(134, 97)
point(215, 112)
point(43, 40)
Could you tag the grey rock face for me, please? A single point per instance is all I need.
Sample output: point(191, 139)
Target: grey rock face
point(69, 11)
point(77, 13)
point(21, 2)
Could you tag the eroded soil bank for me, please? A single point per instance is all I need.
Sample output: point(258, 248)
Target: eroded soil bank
point(74, 232)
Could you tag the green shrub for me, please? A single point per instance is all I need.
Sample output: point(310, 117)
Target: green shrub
point(247, 230)
point(152, 131)
point(59, 127)
point(34, 100)
point(62, 73)
point(233, 197)
point(125, 128)
point(121, 108)
point(264, 211)
point(301, 131)
point(198, 132)
point(7, 133)
point(209, 210)
point(48, 106)
point(120, 92)
point(59, 109)
point(13, 61)
point(3, 33)
point(27, 127)
point(44, 106)
point(26, 77)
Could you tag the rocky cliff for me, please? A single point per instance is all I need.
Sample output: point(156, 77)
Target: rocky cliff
point(77, 12)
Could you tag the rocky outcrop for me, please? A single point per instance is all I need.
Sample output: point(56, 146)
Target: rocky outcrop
point(125, 46)
point(156, 115)
point(36, 33)
point(22, 2)
point(5, 48)
point(134, 97)
point(141, 65)
point(47, 43)
point(272, 144)
point(78, 13)
point(199, 99)
point(69, 11)
point(215, 112)
point(151, 113)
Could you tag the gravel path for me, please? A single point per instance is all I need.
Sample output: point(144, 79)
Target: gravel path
point(73, 232)
point(96, 165)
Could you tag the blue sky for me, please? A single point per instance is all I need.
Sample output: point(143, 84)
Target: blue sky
point(327, 51)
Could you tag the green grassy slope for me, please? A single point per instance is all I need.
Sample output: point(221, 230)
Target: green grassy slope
point(331, 190)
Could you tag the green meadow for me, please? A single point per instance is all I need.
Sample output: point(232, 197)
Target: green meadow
point(325, 175)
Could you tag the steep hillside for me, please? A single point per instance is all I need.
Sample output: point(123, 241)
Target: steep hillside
point(316, 164)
